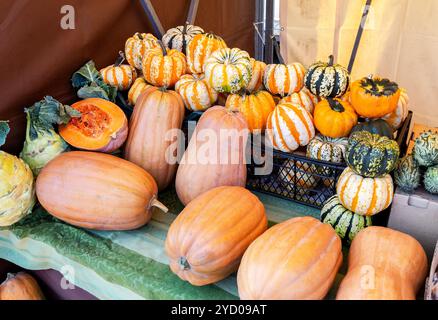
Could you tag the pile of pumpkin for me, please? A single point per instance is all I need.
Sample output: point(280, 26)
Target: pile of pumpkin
point(223, 227)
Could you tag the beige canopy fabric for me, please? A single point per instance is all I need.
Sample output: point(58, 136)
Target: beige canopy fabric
point(400, 42)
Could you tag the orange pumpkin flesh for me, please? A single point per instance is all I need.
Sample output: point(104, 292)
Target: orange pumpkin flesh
point(97, 191)
point(20, 286)
point(102, 126)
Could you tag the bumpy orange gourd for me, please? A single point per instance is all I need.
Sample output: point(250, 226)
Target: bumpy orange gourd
point(102, 126)
point(215, 154)
point(97, 191)
point(20, 286)
point(383, 264)
point(208, 238)
point(163, 67)
point(154, 125)
point(296, 259)
point(374, 97)
point(334, 118)
point(199, 48)
point(255, 108)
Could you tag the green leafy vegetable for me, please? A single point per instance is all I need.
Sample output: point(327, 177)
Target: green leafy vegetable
point(4, 130)
point(90, 83)
point(42, 143)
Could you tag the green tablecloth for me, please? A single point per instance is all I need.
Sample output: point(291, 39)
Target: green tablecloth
point(121, 265)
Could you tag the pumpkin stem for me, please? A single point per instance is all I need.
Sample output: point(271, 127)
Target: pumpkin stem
point(335, 105)
point(183, 263)
point(331, 60)
point(159, 205)
point(120, 59)
point(163, 48)
point(184, 32)
point(139, 35)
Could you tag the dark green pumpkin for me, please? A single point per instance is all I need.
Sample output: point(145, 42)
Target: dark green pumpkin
point(407, 174)
point(346, 223)
point(371, 155)
point(377, 126)
point(431, 179)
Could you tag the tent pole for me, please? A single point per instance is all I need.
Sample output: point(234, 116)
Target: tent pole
point(153, 18)
point(193, 10)
point(269, 31)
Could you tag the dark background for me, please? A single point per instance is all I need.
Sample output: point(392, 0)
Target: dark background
point(38, 57)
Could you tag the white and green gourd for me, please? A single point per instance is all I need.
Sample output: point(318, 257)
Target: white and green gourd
point(431, 179)
point(425, 149)
point(346, 223)
point(178, 37)
point(407, 174)
point(327, 149)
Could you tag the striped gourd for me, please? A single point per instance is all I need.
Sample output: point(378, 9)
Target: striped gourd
point(347, 224)
point(425, 149)
point(228, 70)
point(364, 196)
point(327, 80)
point(136, 46)
point(255, 107)
point(407, 174)
point(196, 92)
point(289, 127)
point(284, 79)
point(200, 47)
point(137, 88)
point(163, 67)
point(396, 118)
point(327, 149)
point(258, 68)
point(177, 38)
point(431, 179)
point(298, 174)
point(304, 98)
point(121, 76)
point(371, 155)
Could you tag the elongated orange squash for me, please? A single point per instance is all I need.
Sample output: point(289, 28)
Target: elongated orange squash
point(215, 154)
point(158, 114)
point(97, 191)
point(208, 238)
point(20, 286)
point(296, 259)
point(383, 264)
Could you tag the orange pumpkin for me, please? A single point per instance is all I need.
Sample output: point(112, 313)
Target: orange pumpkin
point(163, 67)
point(303, 98)
point(137, 88)
point(284, 79)
point(97, 191)
point(374, 97)
point(157, 115)
point(215, 155)
point(334, 118)
point(136, 46)
point(199, 48)
point(196, 93)
point(120, 76)
point(20, 286)
point(256, 82)
point(208, 238)
point(383, 264)
point(255, 108)
point(102, 126)
point(296, 259)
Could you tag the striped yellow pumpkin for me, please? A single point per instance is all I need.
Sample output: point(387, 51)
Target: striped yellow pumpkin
point(289, 127)
point(196, 92)
point(255, 107)
point(228, 70)
point(137, 88)
point(284, 79)
point(304, 98)
point(256, 82)
point(121, 76)
point(163, 67)
point(396, 118)
point(364, 196)
point(136, 46)
point(200, 47)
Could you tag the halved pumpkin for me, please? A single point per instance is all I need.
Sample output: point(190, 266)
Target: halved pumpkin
point(102, 126)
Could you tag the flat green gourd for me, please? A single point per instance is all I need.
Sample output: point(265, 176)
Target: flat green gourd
point(371, 155)
point(425, 149)
point(377, 126)
point(407, 174)
point(346, 223)
point(431, 179)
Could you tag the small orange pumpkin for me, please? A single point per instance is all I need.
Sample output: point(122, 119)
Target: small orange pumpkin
point(102, 126)
point(334, 118)
point(256, 82)
point(136, 46)
point(196, 93)
point(374, 97)
point(20, 286)
point(137, 88)
point(199, 48)
point(163, 67)
point(255, 108)
point(119, 75)
point(284, 79)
